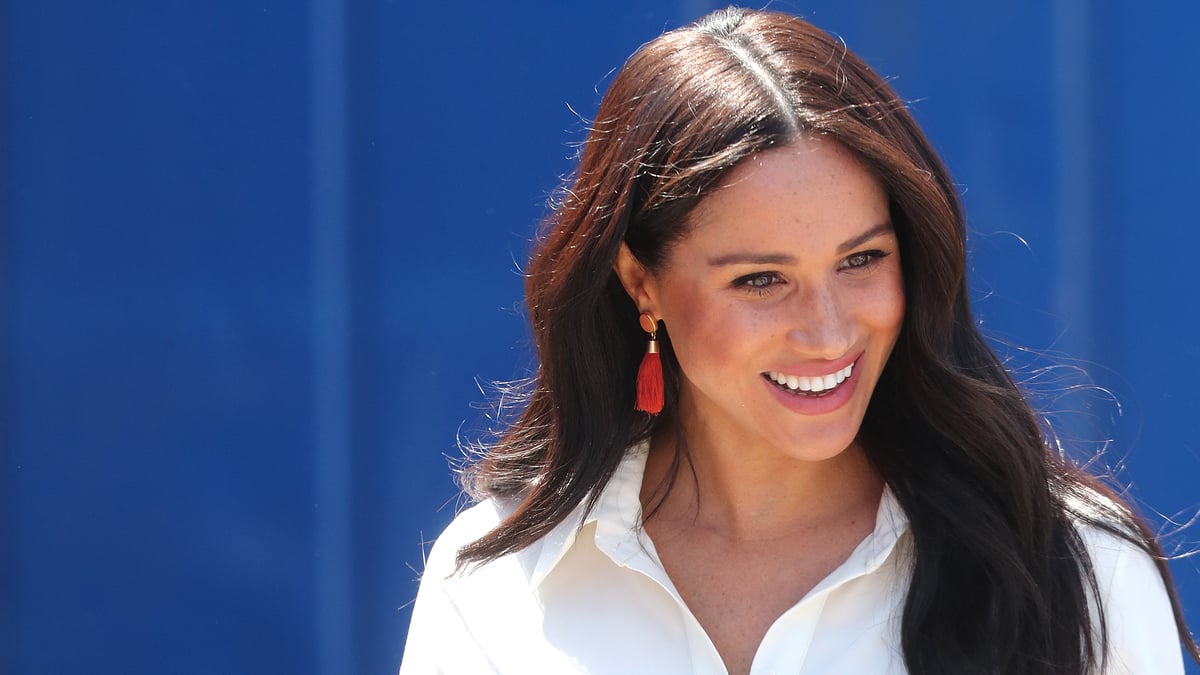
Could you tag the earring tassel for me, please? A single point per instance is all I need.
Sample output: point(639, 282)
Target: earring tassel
point(650, 381)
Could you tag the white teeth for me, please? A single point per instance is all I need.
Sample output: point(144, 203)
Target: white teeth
point(813, 384)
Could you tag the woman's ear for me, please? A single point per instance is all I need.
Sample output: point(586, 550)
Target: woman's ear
point(637, 280)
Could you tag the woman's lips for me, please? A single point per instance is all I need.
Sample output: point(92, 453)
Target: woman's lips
point(826, 392)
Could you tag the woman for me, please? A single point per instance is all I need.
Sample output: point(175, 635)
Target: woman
point(765, 434)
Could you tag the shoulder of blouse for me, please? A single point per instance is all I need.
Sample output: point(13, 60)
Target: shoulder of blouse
point(468, 526)
point(1142, 636)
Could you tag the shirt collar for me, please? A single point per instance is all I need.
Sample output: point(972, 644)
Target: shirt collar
point(617, 514)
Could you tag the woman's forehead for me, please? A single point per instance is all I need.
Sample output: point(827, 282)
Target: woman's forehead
point(808, 181)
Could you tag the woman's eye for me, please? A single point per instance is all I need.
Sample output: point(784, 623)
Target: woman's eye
point(863, 259)
point(759, 283)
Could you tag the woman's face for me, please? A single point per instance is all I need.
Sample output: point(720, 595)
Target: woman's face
point(783, 302)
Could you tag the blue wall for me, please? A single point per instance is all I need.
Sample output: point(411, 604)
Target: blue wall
point(256, 260)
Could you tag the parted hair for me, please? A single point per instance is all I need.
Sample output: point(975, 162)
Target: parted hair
point(1001, 579)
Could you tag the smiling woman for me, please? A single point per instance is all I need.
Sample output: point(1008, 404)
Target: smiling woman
point(839, 476)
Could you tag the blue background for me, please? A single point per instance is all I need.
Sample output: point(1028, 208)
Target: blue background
point(258, 262)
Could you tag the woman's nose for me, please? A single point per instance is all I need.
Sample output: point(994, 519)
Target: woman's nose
point(817, 325)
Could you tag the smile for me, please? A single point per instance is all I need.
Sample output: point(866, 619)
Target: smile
point(820, 385)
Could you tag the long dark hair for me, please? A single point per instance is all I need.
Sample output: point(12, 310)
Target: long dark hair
point(1000, 574)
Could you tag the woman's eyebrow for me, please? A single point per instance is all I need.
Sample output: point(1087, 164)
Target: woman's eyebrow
point(753, 258)
point(882, 228)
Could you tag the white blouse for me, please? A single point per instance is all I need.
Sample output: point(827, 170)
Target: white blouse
point(592, 597)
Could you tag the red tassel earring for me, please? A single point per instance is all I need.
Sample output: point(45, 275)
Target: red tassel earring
point(650, 376)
